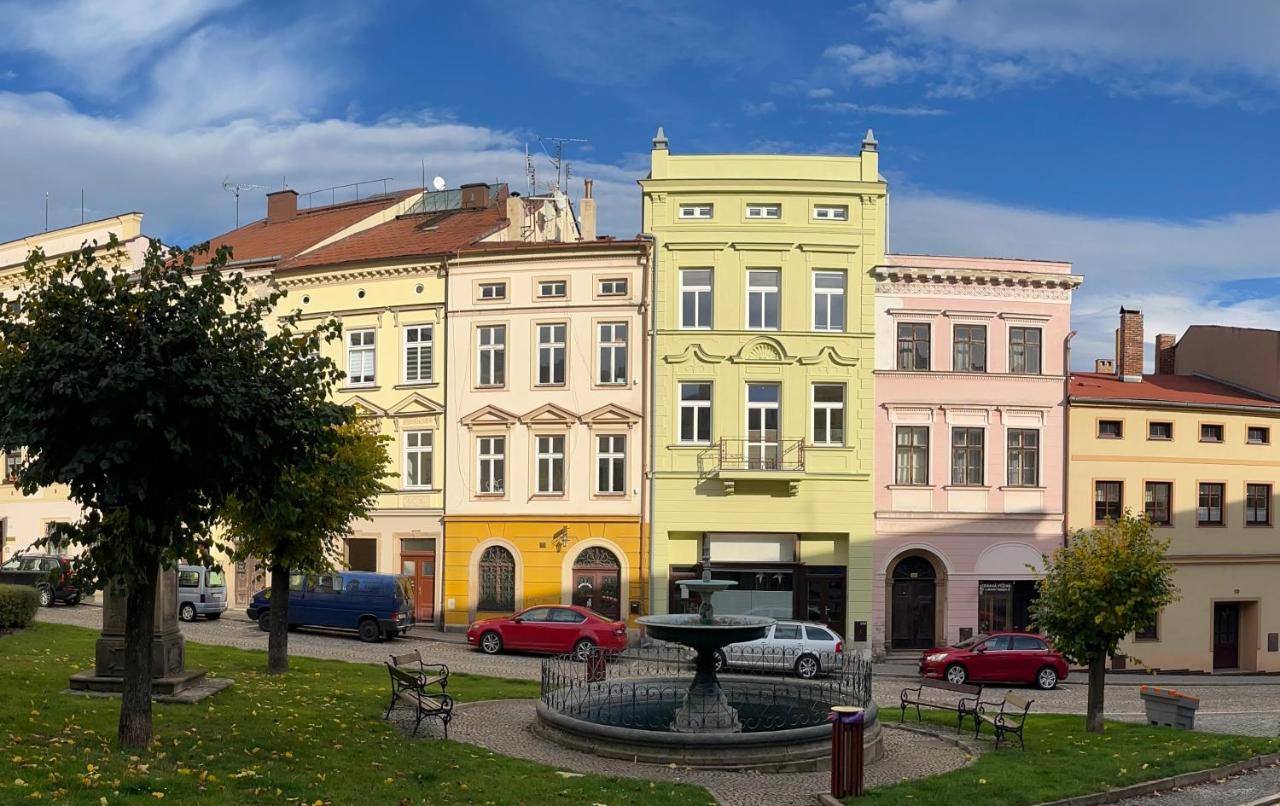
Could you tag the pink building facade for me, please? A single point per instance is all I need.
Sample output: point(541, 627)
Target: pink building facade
point(969, 465)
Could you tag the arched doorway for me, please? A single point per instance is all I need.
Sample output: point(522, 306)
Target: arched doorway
point(597, 581)
point(914, 604)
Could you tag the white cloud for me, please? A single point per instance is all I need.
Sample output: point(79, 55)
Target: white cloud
point(754, 109)
point(880, 109)
point(820, 92)
point(875, 68)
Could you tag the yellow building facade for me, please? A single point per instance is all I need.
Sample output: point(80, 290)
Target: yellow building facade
point(763, 358)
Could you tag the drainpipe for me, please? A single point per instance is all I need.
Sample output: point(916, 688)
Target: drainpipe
point(650, 329)
point(444, 450)
point(1066, 431)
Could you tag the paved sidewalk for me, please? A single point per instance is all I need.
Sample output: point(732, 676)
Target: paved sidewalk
point(1234, 791)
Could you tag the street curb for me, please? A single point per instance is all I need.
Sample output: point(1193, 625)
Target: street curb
point(955, 741)
point(1182, 781)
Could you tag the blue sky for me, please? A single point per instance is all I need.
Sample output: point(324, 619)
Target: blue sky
point(1136, 138)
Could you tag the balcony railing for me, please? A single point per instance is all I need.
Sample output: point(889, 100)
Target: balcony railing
point(749, 455)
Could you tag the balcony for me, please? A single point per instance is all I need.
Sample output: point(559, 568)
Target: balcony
point(753, 459)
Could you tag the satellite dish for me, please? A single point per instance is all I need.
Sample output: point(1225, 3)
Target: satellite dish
point(438, 183)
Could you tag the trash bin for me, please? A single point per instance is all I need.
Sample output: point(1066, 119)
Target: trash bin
point(846, 751)
point(1169, 707)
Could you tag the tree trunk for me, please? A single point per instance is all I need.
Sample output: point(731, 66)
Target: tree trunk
point(135, 703)
point(278, 638)
point(1097, 690)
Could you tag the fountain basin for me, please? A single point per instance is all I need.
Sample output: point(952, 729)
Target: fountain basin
point(689, 629)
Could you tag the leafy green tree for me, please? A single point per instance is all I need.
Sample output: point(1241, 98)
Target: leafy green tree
point(298, 521)
point(154, 394)
point(1105, 583)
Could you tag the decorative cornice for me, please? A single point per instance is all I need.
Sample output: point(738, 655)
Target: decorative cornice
point(364, 407)
point(331, 277)
point(549, 414)
point(691, 353)
point(991, 277)
point(425, 406)
point(762, 350)
point(489, 415)
point(610, 414)
point(829, 354)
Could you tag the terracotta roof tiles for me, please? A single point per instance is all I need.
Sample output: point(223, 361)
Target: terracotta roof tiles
point(1186, 390)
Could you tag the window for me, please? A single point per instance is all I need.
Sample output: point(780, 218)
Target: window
point(1209, 512)
point(912, 455)
point(417, 354)
point(828, 300)
point(188, 579)
point(818, 634)
point(1024, 457)
point(563, 615)
point(1148, 633)
point(497, 575)
point(1258, 435)
point(1026, 643)
point(360, 355)
point(1160, 431)
point(417, 458)
point(787, 632)
point(762, 300)
point(969, 348)
point(967, 456)
point(695, 211)
point(913, 346)
point(1024, 350)
point(492, 355)
point(611, 464)
point(695, 299)
point(552, 289)
point(551, 465)
point(830, 212)
point(613, 287)
point(1257, 504)
point(1156, 500)
point(695, 413)
point(1110, 429)
point(613, 353)
point(1106, 500)
point(998, 644)
point(493, 291)
point(1210, 432)
point(493, 465)
point(828, 414)
point(773, 211)
point(551, 341)
point(12, 461)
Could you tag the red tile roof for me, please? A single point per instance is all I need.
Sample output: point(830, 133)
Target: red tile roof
point(407, 236)
point(1183, 390)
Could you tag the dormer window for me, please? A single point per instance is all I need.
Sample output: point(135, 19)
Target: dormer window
point(769, 211)
point(700, 211)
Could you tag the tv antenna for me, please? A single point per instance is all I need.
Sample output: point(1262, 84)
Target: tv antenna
point(558, 161)
point(236, 187)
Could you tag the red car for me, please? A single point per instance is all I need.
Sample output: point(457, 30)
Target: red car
point(1004, 657)
point(558, 629)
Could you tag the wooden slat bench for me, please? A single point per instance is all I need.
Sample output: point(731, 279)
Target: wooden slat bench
point(421, 685)
point(1010, 719)
point(929, 695)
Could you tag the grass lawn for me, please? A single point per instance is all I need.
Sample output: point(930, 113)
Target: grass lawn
point(1062, 760)
point(314, 736)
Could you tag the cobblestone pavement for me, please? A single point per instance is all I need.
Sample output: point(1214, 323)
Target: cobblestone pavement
point(506, 727)
point(1234, 791)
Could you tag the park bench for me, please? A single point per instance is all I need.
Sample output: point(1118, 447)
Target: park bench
point(1010, 719)
point(422, 686)
point(938, 694)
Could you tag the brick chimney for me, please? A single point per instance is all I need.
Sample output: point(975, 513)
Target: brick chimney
point(1166, 343)
point(1129, 347)
point(587, 212)
point(282, 205)
point(475, 196)
point(1104, 366)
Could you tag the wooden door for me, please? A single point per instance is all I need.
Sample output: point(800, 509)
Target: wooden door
point(1226, 635)
point(421, 568)
point(913, 614)
point(250, 578)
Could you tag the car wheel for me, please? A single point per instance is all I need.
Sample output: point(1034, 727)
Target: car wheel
point(583, 649)
point(46, 597)
point(187, 611)
point(491, 643)
point(264, 621)
point(1046, 678)
point(807, 667)
point(956, 674)
point(721, 660)
point(369, 631)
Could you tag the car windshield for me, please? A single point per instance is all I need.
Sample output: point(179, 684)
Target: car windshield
point(215, 579)
point(968, 642)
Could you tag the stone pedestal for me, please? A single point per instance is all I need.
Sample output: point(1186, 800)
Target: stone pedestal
point(169, 675)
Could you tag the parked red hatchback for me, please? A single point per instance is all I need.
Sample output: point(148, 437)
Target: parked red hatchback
point(559, 629)
point(1005, 657)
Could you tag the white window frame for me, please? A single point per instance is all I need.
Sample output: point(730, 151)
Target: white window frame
point(617, 466)
point(826, 408)
point(770, 211)
point(828, 303)
point(698, 291)
point(548, 455)
point(412, 373)
point(491, 450)
point(370, 347)
point(763, 292)
point(831, 212)
point(543, 285)
point(610, 347)
point(613, 287)
point(701, 410)
point(549, 348)
point(423, 451)
point(491, 356)
point(493, 291)
point(696, 211)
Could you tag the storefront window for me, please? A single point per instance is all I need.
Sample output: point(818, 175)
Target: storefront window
point(1005, 605)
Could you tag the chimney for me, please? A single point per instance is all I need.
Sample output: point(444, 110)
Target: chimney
point(587, 213)
point(1104, 366)
point(1129, 346)
point(1166, 343)
point(660, 142)
point(870, 158)
point(475, 196)
point(282, 205)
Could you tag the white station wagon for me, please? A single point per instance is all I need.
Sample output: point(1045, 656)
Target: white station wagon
point(800, 647)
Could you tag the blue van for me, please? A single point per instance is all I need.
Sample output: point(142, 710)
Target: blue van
point(376, 606)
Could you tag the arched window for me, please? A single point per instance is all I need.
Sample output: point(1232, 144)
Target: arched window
point(596, 585)
point(914, 568)
point(595, 557)
point(497, 580)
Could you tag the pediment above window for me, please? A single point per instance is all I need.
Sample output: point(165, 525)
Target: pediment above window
point(550, 415)
point(364, 408)
point(416, 404)
point(609, 415)
point(490, 416)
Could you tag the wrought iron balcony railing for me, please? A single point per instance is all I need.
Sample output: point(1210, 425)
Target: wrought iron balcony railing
point(751, 455)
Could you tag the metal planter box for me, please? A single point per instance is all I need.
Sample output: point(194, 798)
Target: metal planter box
point(1169, 707)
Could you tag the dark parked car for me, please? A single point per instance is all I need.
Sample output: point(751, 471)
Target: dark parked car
point(374, 605)
point(49, 574)
point(1007, 657)
point(560, 629)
